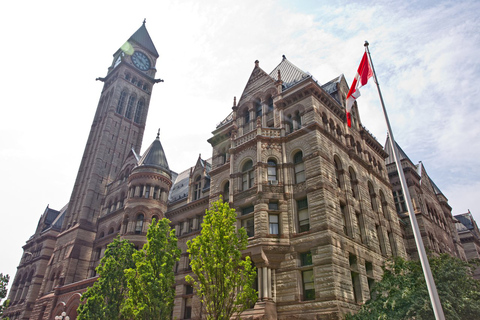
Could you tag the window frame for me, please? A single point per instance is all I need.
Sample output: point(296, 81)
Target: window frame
point(272, 225)
point(299, 167)
point(302, 211)
point(248, 177)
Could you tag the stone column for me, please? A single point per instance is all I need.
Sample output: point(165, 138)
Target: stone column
point(265, 283)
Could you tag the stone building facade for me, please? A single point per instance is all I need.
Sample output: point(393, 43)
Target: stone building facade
point(469, 235)
point(314, 196)
point(432, 211)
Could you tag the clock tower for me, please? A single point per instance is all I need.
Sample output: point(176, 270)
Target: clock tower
point(117, 128)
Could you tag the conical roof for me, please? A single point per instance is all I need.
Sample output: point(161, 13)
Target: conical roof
point(155, 156)
point(142, 37)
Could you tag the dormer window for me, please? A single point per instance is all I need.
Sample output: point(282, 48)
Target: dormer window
point(197, 188)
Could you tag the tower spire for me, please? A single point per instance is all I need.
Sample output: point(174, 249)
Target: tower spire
point(158, 133)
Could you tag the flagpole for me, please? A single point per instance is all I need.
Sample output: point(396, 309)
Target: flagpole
point(432, 289)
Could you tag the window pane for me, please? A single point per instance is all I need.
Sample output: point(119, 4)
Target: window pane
point(306, 258)
point(273, 227)
point(303, 215)
point(247, 210)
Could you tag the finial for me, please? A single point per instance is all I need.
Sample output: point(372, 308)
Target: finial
point(158, 133)
point(144, 20)
point(366, 43)
point(256, 63)
point(283, 57)
point(279, 75)
point(234, 101)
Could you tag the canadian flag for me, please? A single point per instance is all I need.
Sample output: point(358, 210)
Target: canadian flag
point(364, 72)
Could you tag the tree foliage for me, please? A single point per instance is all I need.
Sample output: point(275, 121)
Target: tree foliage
point(3, 292)
point(135, 284)
point(151, 282)
point(224, 281)
point(105, 298)
point(402, 292)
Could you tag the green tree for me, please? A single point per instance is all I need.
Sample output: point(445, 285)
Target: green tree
point(224, 281)
point(402, 292)
point(105, 298)
point(3, 292)
point(151, 282)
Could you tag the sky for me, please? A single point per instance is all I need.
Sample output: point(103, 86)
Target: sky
point(425, 54)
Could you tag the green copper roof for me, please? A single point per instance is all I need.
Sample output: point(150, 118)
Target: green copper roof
point(142, 37)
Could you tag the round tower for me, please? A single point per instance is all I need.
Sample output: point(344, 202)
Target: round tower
point(148, 187)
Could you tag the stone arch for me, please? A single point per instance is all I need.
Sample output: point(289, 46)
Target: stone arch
point(72, 305)
point(59, 308)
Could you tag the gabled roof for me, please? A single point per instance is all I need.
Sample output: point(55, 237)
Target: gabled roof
point(155, 156)
point(289, 73)
point(142, 37)
point(331, 87)
point(53, 218)
point(388, 149)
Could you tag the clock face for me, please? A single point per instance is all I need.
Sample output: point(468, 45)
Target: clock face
point(140, 61)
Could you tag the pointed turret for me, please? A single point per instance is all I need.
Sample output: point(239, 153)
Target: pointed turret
point(154, 156)
point(142, 37)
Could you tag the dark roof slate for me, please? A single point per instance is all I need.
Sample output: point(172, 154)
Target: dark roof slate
point(289, 73)
point(155, 156)
point(142, 37)
point(388, 149)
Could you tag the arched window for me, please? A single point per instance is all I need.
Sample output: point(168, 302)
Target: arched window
point(139, 224)
point(121, 102)
point(289, 124)
point(247, 175)
point(125, 225)
point(226, 191)
point(138, 112)
point(197, 188)
point(110, 231)
point(131, 103)
point(373, 201)
point(297, 121)
point(383, 203)
point(247, 116)
point(155, 218)
point(338, 171)
point(299, 167)
point(353, 182)
point(147, 191)
point(224, 155)
point(270, 104)
point(272, 170)
point(258, 108)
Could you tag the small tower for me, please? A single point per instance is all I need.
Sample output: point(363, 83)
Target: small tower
point(148, 188)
